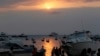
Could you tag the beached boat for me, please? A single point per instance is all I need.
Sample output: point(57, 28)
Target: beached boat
point(77, 41)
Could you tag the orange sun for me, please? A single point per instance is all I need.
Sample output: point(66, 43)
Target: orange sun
point(48, 6)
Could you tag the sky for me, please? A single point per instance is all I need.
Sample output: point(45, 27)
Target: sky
point(46, 16)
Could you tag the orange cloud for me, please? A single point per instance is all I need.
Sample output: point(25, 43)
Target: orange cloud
point(41, 4)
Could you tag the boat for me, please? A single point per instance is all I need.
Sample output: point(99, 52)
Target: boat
point(56, 38)
point(7, 41)
point(3, 34)
point(43, 39)
point(21, 35)
point(33, 40)
point(53, 34)
point(47, 41)
point(77, 41)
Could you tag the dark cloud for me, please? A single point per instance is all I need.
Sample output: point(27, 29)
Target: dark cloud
point(11, 3)
point(7, 3)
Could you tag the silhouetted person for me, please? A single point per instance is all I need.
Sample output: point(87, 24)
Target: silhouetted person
point(57, 52)
point(11, 51)
point(53, 51)
point(98, 53)
point(60, 50)
point(84, 52)
point(89, 52)
point(42, 51)
point(62, 53)
point(34, 52)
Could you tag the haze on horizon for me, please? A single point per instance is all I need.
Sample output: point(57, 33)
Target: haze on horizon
point(46, 16)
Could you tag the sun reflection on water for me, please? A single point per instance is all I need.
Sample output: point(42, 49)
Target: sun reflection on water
point(49, 45)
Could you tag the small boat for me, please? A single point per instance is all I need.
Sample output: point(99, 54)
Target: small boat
point(64, 37)
point(56, 38)
point(2, 34)
point(42, 40)
point(34, 41)
point(22, 35)
point(53, 34)
point(47, 41)
point(26, 38)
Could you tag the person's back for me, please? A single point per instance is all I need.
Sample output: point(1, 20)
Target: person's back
point(89, 52)
point(84, 52)
point(11, 51)
point(53, 51)
point(98, 53)
point(34, 52)
point(62, 53)
point(57, 52)
point(42, 51)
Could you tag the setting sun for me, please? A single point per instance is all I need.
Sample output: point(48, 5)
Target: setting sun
point(48, 6)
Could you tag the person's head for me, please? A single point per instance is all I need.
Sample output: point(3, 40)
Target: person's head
point(42, 46)
point(89, 50)
point(84, 50)
point(99, 50)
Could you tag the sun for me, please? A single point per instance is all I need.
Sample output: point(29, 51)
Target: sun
point(48, 6)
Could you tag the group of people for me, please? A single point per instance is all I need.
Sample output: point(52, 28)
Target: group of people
point(57, 52)
point(89, 52)
point(41, 52)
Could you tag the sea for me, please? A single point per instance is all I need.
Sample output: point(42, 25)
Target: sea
point(48, 43)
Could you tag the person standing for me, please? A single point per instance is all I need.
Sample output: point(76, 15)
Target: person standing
point(42, 51)
point(90, 52)
point(98, 53)
point(53, 51)
point(34, 52)
point(11, 51)
point(84, 52)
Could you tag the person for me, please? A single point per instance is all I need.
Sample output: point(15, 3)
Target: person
point(42, 51)
point(98, 53)
point(83, 52)
point(90, 52)
point(62, 53)
point(34, 52)
point(57, 52)
point(11, 51)
point(53, 51)
point(60, 50)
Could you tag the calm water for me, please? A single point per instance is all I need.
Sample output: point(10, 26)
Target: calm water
point(47, 45)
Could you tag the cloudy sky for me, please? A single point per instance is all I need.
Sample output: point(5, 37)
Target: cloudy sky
point(46, 16)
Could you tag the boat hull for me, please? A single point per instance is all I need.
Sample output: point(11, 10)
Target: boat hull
point(78, 47)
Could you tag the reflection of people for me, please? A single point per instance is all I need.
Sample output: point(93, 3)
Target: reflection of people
point(42, 51)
